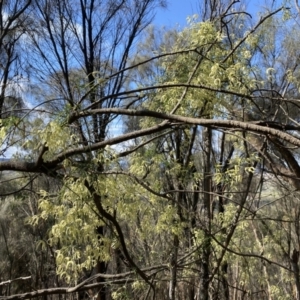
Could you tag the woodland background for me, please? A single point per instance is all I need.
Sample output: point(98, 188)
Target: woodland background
point(140, 162)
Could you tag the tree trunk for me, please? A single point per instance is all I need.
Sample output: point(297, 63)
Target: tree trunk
point(206, 249)
point(173, 268)
point(295, 268)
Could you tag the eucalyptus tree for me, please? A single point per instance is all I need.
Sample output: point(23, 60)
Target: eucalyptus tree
point(178, 213)
point(77, 54)
point(13, 22)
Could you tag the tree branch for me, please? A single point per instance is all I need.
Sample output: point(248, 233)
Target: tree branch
point(248, 126)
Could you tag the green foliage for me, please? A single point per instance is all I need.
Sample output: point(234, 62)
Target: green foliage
point(185, 199)
point(74, 232)
point(206, 68)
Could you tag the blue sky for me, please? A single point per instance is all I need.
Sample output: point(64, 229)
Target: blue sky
point(178, 10)
point(176, 13)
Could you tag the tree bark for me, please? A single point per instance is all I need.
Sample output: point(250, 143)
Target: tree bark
point(206, 248)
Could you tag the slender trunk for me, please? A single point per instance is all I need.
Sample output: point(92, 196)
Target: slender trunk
point(235, 281)
point(295, 268)
point(204, 284)
point(178, 203)
point(173, 268)
point(265, 272)
point(203, 293)
point(101, 268)
point(224, 272)
point(221, 209)
point(195, 202)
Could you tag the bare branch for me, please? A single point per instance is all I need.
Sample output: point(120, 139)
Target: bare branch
point(13, 280)
point(249, 126)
